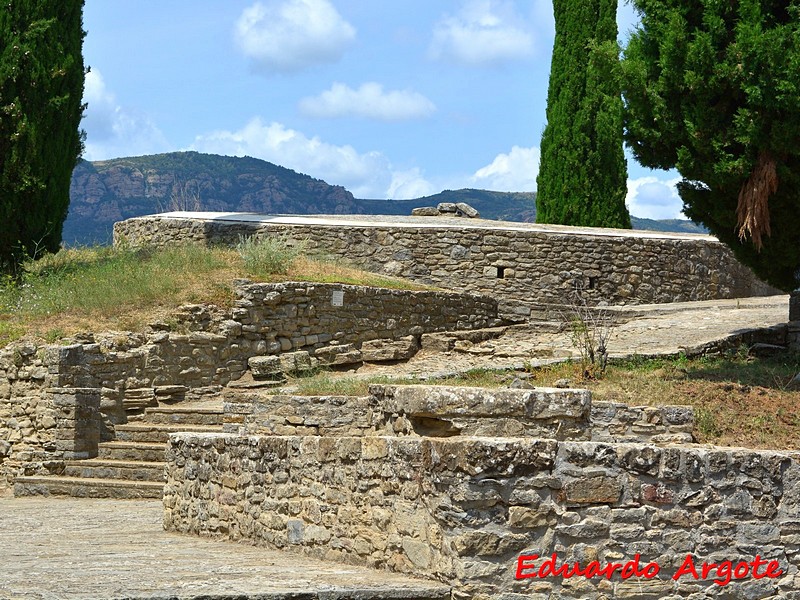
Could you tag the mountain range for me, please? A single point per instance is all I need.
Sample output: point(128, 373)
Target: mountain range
point(104, 192)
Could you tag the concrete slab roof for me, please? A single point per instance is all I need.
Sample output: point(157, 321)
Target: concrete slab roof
point(410, 222)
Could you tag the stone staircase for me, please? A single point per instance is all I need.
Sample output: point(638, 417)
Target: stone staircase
point(132, 465)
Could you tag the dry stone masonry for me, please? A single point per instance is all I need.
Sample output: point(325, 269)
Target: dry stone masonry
point(57, 402)
point(503, 494)
point(442, 411)
point(487, 514)
point(518, 262)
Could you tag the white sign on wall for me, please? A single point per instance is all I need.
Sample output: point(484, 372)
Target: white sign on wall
point(337, 298)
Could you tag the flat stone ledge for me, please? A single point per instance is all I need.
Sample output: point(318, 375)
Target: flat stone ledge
point(405, 222)
point(538, 403)
point(118, 549)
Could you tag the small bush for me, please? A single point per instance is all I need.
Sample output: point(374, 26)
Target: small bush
point(268, 255)
point(707, 423)
point(590, 330)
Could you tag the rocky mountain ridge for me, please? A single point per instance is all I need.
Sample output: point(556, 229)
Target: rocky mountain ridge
point(107, 191)
point(104, 192)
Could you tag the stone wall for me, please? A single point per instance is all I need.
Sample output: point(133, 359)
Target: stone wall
point(619, 422)
point(298, 316)
point(516, 262)
point(447, 411)
point(202, 350)
point(478, 513)
point(42, 424)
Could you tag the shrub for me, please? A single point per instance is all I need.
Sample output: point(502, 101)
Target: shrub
point(265, 256)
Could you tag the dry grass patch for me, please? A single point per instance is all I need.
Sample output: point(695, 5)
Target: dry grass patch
point(739, 400)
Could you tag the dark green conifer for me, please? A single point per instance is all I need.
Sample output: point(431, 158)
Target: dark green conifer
point(713, 89)
point(41, 89)
point(582, 179)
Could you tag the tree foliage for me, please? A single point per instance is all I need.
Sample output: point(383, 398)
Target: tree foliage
point(582, 179)
point(712, 88)
point(41, 89)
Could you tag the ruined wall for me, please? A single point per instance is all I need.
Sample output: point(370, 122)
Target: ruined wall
point(522, 263)
point(449, 411)
point(307, 316)
point(464, 510)
point(41, 423)
point(206, 350)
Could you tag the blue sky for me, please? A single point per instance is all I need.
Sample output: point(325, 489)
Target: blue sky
point(389, 99)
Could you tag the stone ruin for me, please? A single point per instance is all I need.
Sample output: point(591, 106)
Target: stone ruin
point(58, 402)
point(447, 209)
point(474, 488)
point(524, 265)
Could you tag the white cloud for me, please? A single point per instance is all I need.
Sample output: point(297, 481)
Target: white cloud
point(290, 35)
point(652, 198)
point(113, 130)
point(484, 33)
point(369, 101)
point(648, 197)
point(512, 172)
point(366, 175)
point(409, 184)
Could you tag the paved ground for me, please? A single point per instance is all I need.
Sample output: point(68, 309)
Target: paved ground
point(650, 330)
point(67, 549)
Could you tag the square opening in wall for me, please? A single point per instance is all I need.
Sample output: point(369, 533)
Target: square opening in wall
point(501, 272)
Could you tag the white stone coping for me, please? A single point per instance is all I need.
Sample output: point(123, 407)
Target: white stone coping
point(409, 222)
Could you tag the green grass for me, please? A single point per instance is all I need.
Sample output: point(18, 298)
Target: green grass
point(739, 399)
point(268, 256)
point(102, 288)
point(326, 384)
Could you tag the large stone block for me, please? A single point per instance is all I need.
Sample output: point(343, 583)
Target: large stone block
point(296, 362)
point(464, 209)
point(537, 403)
point(595, 489)
point(337, 355)
point(425, 211)
point(389, 349)
point(265, 367)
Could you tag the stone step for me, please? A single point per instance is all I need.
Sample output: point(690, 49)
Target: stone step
point(115, 469)
point(183, 415)
point(80, 487)
point(131, 451)
point(158, 432)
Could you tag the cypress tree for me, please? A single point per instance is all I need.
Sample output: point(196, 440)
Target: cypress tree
point(582, 179)
point(41, 89)
point(712, 89)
